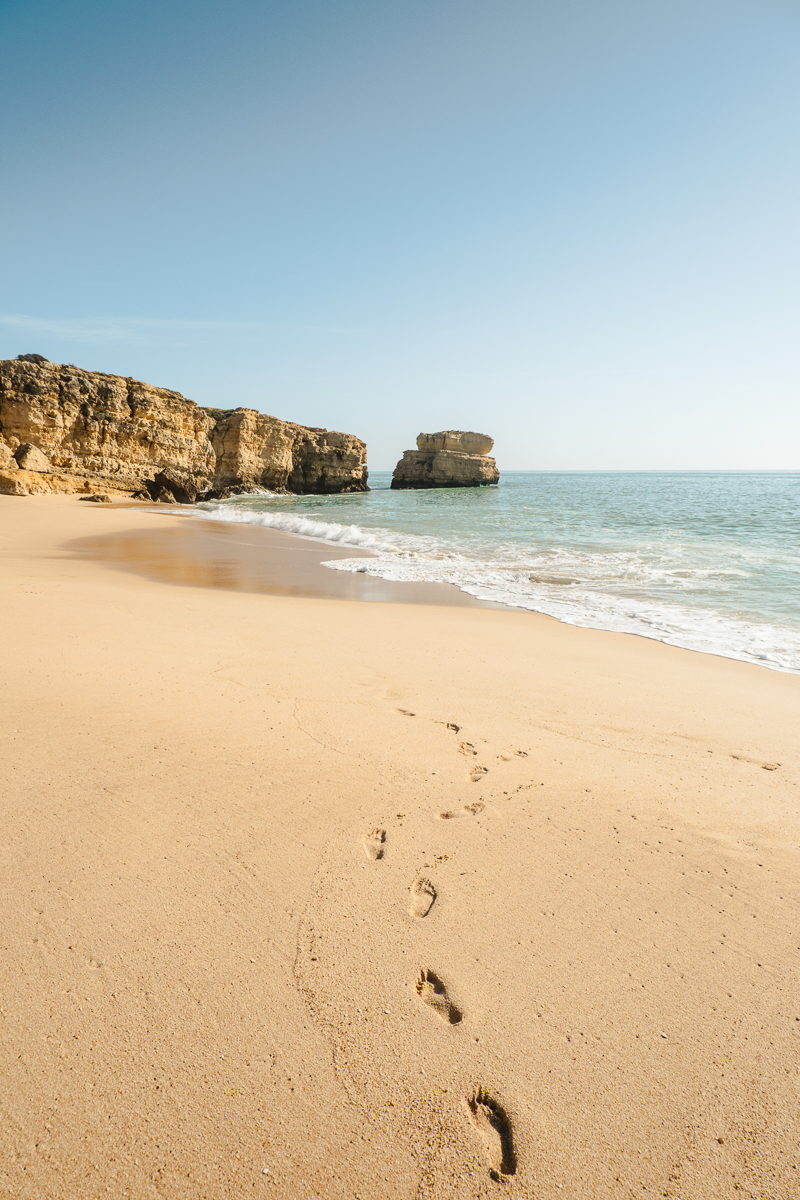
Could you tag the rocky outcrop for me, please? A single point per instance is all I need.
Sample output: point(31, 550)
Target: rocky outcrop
point(457, 441)
point(16, 482)
point(102, 427)
point(253, 449)
point(30, 458)
point(75, 430)
point(452, 458)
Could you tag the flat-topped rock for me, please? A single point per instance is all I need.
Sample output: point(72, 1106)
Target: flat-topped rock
point(452, 458)
point(458, 440)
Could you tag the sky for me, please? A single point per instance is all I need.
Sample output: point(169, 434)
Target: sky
point(571, 224)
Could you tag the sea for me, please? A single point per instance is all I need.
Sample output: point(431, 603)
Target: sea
point(709, 561)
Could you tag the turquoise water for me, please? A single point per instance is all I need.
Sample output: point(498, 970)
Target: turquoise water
point(708, 561)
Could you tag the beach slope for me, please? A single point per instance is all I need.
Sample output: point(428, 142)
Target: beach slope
point(312, 897)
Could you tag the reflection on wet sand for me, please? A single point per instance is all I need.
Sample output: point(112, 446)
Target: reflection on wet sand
point(209, 555)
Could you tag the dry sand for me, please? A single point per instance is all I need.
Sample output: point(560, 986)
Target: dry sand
point(245, 954)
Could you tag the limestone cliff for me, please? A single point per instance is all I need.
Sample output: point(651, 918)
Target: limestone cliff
point(452, 458)
point(65, 429)
point(253, 448)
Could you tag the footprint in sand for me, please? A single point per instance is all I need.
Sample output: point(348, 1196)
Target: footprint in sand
point(467, 748)
point(495, 1129)
point(432, 992)
point(423, 894)
point(477, 773)
point(374, 844)
point(469, 810)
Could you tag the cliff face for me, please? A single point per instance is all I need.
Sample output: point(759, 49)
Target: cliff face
point(102, 426)
point(452, 458)
point(103, 430)
point(253, 448)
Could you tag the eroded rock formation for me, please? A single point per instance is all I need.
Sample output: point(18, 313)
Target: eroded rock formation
point(64, 429)
point(452, 458)
point(253, 448)
point(456, 440)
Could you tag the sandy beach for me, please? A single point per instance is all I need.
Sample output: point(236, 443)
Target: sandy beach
point(322, 893)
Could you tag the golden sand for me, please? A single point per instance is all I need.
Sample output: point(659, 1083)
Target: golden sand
point(312, 897)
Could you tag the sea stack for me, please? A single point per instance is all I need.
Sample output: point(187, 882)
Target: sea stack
point(452, 458)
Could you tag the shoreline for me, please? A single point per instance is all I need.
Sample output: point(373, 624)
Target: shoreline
point(282, 562)
point(728, 600)
point(252, 558)
point(214, 984)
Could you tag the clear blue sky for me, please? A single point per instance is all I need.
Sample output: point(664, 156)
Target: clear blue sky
point(574, 225)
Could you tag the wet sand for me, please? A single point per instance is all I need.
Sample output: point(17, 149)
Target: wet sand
point(199, 553)
point(305, 897)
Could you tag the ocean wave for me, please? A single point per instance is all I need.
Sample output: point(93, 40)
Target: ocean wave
point(584, 586)
point(705, 630)
point(310, 527)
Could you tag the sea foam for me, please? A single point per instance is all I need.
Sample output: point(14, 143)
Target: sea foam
point(690, 579)
point(310, 527)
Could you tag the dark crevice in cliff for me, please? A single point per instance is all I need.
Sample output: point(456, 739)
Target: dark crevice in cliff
point(129, 399)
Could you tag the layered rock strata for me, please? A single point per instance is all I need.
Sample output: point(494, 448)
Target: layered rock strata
point(452, 458)
point(65, 429)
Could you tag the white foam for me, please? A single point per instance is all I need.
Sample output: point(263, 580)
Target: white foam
point(321, 531)
point(581, 587)
point(706, 630)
